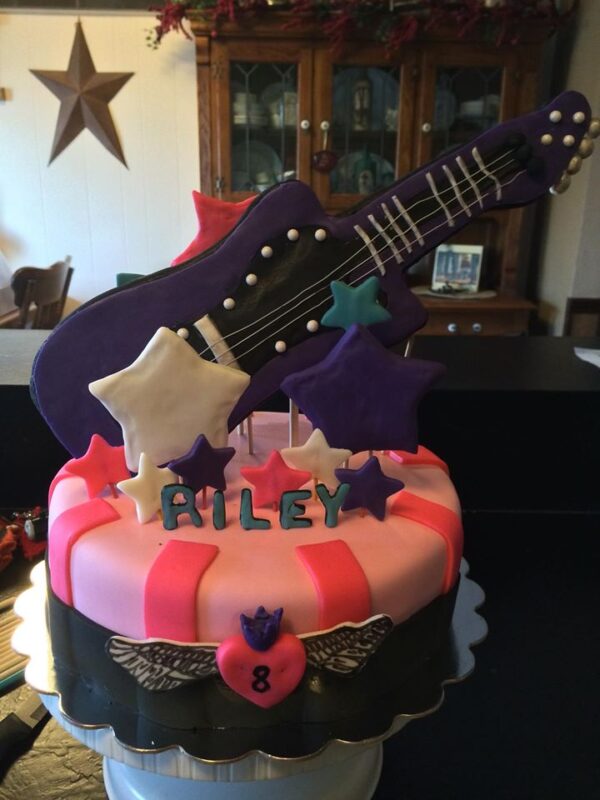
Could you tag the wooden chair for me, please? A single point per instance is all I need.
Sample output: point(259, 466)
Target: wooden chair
point(40, 296)
point(582, 316)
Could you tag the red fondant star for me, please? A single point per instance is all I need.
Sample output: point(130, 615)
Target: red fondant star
point(102, 464)
point(215, 219)
point(273, 479)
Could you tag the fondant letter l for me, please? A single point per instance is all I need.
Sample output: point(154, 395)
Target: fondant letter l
point(247, 519)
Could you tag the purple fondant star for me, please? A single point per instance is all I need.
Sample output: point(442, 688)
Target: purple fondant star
point(369, 487)
point(362, 396)
point(204, 465)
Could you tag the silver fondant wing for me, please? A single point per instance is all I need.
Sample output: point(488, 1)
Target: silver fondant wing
point(159, 665)
point(346, 648)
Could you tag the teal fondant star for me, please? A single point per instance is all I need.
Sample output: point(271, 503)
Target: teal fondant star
point(355, 305)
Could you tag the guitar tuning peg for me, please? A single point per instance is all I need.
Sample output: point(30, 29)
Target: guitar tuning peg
point(562, 186)
point(586, 147)
point(574, 165)
point(594, 129)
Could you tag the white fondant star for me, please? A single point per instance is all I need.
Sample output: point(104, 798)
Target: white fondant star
point(146, 487)
point(315, 456)
point(168, 397)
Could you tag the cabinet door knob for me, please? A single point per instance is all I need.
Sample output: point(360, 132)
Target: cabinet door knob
point(477, 327)
point(452, 327)
point(426, 127)
point(305, 124)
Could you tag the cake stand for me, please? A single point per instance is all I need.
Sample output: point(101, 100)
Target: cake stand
point(342, 770)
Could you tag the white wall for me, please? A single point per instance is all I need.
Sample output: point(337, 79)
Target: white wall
point(86, 203)
point(570, 259)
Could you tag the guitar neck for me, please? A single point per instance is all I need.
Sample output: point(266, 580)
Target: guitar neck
point(407, 220)
point(511, 164)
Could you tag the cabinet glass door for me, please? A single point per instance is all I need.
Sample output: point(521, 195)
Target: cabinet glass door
point(361, 125)
point(264, 124)
point(363, 133)
point(463, 93)
point(466, 102)
point(259, 97)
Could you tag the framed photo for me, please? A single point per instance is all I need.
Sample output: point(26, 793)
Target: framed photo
point(457, 268)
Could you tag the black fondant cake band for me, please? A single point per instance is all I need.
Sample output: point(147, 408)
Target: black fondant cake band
point(210, 721)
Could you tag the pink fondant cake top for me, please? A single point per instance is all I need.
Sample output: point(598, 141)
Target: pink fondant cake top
point(112, 567)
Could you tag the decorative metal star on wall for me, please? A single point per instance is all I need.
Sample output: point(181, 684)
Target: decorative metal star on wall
point(84, 96)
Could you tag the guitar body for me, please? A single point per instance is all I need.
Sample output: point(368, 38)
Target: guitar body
point(288, 288)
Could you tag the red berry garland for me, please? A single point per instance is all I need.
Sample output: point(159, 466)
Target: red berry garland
point(339, 19)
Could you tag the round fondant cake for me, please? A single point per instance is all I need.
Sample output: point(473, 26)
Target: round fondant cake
point(240, 621)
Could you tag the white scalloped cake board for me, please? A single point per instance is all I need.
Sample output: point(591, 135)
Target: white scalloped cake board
point(342, 771)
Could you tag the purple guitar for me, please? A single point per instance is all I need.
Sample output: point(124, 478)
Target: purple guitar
point(255, 300)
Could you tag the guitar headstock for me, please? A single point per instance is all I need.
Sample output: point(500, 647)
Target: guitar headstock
point(549, 146)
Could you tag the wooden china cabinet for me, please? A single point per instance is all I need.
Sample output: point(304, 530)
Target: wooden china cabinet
point(271, 96)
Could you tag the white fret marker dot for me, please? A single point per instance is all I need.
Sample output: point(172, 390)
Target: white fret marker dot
point(555, 116)
point(293, 235)
point(229, 303)
point(183, 333)
point(320, 234)
point(251, 279)
point(280, 346)
point(266, 251)
point(312, 326)
point(579, 117)
point(569, 141)
point(547, 138)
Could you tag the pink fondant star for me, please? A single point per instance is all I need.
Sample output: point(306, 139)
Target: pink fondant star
point(273, 479)
point(101, 465)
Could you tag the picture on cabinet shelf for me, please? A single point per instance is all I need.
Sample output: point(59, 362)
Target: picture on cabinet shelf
point(457, 268)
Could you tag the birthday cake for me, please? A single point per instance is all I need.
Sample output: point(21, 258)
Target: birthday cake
point(266, 580)
point(276, 587)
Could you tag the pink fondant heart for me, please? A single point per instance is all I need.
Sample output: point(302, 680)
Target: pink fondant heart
point(265, 678)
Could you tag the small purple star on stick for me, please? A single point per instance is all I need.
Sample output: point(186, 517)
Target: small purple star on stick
point(204, 465)
point(369, 487)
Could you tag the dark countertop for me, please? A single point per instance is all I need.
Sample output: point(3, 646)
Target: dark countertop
point(17, 351)
point(523, 726)
point(511, 364)
point(473, 363)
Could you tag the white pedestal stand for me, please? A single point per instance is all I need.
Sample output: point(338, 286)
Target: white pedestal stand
point(340, 771)
point(352, 779)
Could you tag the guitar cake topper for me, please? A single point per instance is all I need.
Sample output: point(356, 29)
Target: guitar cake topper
point(259, 300)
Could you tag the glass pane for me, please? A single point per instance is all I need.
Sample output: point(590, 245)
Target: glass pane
point(264, 117)
point(364, 130)
point(467, 102)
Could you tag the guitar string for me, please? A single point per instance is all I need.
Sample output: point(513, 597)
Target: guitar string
point(231, 345)
point(332, 272)
point(356, 253)
point(356, 280)
point(325, 278)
